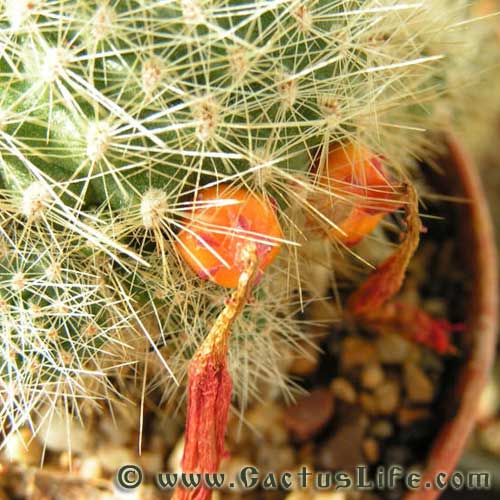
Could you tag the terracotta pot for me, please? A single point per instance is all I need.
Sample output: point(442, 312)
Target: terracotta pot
point(482, 320)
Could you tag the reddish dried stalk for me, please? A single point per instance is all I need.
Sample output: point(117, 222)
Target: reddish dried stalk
point(210, 387)
point(386, 281)
point(417, 325)
point(372, 302)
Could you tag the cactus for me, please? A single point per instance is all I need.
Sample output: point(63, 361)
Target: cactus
point(116, 117)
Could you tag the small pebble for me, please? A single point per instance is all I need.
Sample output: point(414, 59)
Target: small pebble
point(415, 354)
point(387, 397)
point(431, 362)
point(18, 481)
point(343, 390)
point(371, 450)
point(306, 453)
point(392, 349)
point(113, 457)
point(90, 468)
point(397, 454)
point(372, 376)
point(275, 459)
point(356, 352)
point(382, 429)
point(231, 467)
point(306, 363)
point(489, 402)
point(66, 460)
point(151, 462)
point(408, 416)
point(344, 449)
point(264, 423)
point(116, 432)
point(150, 492)
point(489, 437)
point(57, 485)
point(419, 387)
point(298, 495)
point(310, 414)
point(333, 495)
point(175, 457)
point(20, 447)
point(63, 433)
point(142, 492)
point(280, 434)
point(264, 418)
point(368, 402)
point(435, 307)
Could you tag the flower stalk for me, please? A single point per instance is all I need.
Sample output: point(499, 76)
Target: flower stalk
point(210, 386)
point(373, 303)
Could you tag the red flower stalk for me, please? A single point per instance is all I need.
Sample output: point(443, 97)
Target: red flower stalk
point(372, 303)
point(418, 326)
point(210, 385)
point(386, 281)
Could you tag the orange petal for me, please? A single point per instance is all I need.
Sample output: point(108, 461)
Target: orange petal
point(356, 226)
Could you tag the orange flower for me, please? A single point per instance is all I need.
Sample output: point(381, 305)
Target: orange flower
point(213, 241)
point(364, 192)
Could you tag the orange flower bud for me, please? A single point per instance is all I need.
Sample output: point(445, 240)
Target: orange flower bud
point(213, 241)
point(363, 188)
